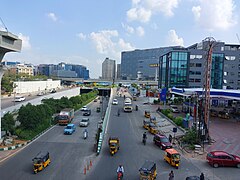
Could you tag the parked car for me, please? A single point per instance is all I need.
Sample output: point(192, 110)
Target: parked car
point(162, 141)
point(223, 115)
point(40, 93)
point(53, 91)
point(115, 102)
point(222, 158)
point(174, 109)
point(84, 108)
point(84, 122)
point(87, 112)
point(19, 99)
point(70, 129)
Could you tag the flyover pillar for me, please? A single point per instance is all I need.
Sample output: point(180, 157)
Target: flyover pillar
point(8, 43)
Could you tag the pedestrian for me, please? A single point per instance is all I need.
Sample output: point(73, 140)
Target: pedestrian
point(171, 175)
point(201, 176)
point(170, 138)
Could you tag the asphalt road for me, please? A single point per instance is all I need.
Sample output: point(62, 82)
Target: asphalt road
point(69, 153)
point(132, 153)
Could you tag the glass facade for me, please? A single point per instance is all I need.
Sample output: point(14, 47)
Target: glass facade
point(174, 69)
point(217, 71)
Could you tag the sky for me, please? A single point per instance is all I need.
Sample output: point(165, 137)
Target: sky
point(87, 31)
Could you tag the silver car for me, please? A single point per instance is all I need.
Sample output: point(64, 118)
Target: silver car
point(84, 122)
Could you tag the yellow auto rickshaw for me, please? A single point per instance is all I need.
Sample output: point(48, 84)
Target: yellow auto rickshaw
point(146, 123)
point(172, 157)
point(147, 114)
point(113, 145)
point(148, 171)
point(41, 161)
point(153, 129)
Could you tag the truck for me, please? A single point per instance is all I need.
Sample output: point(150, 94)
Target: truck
point(65, 116)
point(127, 105)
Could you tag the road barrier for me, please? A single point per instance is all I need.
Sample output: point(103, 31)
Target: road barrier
point(106, 119)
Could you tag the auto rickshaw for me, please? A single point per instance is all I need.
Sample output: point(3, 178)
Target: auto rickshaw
point(113, 145)
point(98, 109)
point(172, 157)
point(146, 123)
point(147, 114)
point(153, 129)
point(148, 171)
point(41, 161)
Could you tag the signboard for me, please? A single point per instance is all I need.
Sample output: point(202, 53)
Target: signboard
point(154, 65)
point(163, 94)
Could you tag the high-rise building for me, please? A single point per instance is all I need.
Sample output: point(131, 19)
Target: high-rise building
point(118, 71)
point(108, 69)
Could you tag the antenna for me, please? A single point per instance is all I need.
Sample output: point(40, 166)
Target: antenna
point(4, 24)
point(238, 37)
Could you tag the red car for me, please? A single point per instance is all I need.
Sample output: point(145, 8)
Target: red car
point(221, 158)
point(162, 141)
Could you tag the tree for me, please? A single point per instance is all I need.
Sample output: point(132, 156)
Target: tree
point(8, 123)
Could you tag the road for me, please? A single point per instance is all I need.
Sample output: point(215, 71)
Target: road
point(69, 153)
point(132, 153)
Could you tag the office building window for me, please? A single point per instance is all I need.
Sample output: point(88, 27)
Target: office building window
point(198, 65)
point(198, 73)
point(191, 65)
point(192, 56)
point(197, 80)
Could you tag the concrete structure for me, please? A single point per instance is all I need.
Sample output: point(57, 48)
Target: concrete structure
point(118, 71)
point(22, 87)
point(109, 69)
point(8, 43)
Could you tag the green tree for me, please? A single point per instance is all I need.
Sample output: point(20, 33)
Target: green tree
point(8, 123)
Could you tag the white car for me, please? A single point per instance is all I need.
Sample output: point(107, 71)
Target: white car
point(19, 99)
point(84, 122)
point(84, 108)
point(174, 109)
point(115, 102)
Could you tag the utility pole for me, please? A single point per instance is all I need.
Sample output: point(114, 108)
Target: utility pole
point(206, 88)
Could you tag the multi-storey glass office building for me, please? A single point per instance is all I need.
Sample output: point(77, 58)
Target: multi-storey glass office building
point(225, 72)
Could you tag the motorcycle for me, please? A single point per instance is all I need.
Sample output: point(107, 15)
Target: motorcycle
point(144, 141)
point(85, 135)
point(136, 107)
point(119, 175)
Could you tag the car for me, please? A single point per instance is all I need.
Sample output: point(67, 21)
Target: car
point(222, 158)
point(115, 102)
point(95, 100)
point(193, 178)
point(174, 109)
point(162, 141)
point(84, 122)
point(19, 99)
point(87, 112)
point(70, 129)
point(53, 91)
point(84, 108)
point(40, 94)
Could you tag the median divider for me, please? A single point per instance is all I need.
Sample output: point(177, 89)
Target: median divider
point(105, 122)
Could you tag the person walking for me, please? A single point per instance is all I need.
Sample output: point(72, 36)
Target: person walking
point(171, 175)
point(202, 176)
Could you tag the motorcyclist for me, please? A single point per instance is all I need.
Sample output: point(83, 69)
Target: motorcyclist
point(144, 137)
point(120, 169)
point(136, 107)
point(85, 133)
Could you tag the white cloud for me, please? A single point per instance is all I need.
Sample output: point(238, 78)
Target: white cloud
point(140, 31)
point(25, 42)
point(81, 36)
point(142, 10)
point(52, 16)
point(139, 14)
point(173, 39)
point(213, 15)
point(128, 28)
point(107, 42)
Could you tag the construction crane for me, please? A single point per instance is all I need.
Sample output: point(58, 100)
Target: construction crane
point(210, 42)
point(4, 24)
